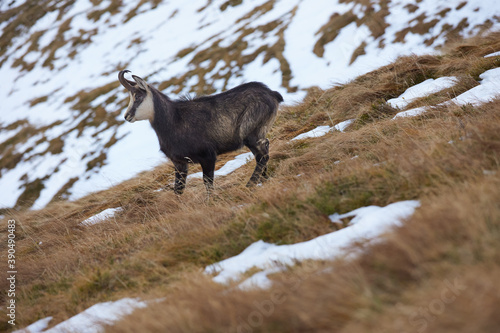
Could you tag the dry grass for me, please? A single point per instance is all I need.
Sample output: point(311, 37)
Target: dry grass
point(159, 244)
point(450, 244)
point(438, 272)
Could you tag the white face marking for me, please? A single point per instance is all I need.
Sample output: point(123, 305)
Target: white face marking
point(145, 111)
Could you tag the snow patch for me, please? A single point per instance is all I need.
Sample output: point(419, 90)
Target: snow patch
point(426, 88)
point(36, 327)
point(494, 54)
point(410, 113)
point(315, 133)
point(259, 280)
point(342, 126)
point(229, 167)
point(92, 320)
point(368, 224)
point(485, 92)
point(101, 217)
point(322, 130)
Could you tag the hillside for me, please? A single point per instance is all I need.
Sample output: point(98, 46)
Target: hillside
point(62, 134)
point(422, 130)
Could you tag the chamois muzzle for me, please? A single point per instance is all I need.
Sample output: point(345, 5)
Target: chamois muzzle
point(129, 118)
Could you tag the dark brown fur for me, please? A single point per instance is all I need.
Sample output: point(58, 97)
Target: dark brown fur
point(199, 129)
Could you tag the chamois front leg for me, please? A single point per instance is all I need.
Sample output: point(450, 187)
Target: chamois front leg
point(181, 170)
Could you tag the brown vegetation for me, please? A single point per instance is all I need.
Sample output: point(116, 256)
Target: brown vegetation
point(158, 245)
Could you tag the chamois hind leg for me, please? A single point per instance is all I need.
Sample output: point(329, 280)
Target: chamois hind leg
point(181, 170)
point(265, 175)
point(260, 149)
point(208, 167)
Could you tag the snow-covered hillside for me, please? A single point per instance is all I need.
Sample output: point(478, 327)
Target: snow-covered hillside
point(61, 122)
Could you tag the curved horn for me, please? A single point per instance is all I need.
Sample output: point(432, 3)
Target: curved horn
point(129, 85)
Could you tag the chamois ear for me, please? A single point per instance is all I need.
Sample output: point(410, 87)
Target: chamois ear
point(140, 82)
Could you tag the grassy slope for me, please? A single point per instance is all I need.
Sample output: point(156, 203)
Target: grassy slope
point(70, 36)
point(160, 243)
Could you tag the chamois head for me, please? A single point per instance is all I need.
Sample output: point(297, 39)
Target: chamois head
point(141, 105)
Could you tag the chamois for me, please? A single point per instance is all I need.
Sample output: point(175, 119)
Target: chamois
point(197, 130)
